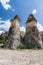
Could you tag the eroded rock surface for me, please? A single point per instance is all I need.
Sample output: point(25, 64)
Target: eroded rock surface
point(13, 38)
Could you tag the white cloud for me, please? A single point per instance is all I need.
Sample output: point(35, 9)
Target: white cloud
point(39, 26)
point(5, 4)
point(13, 9)
point(1, 32)
point(22, 28)
point(5, 26)
point(0, 18)
point(34, 11)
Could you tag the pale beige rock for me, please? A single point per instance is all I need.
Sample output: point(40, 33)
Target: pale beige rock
point(13, 39)
point(32, 37)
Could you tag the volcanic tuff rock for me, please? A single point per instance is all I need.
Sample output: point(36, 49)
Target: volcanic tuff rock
point(30, 39)
point(13, 38)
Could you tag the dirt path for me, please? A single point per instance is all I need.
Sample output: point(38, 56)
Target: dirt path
point(21, 57)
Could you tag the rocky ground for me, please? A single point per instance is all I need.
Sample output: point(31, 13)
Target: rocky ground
point(21, 57)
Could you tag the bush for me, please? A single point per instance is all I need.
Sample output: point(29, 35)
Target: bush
point(20, 47)
point(1, 39)
point(39, 46)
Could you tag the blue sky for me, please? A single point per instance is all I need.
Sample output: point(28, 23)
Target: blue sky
point(9, 8)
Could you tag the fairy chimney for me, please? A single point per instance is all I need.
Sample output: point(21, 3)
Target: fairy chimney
point(13, 39)
point(31, 23)
point(31, 38)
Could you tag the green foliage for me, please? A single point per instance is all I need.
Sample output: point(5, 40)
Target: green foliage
point(20, 47)
point(31, 46)
point(39, 46)
point(1, 39)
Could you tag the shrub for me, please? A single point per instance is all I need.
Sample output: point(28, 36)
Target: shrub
point(1, 39)
point(20, 47)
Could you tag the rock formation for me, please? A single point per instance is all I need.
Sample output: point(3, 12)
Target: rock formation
point(13, 38)
point(32, 38)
